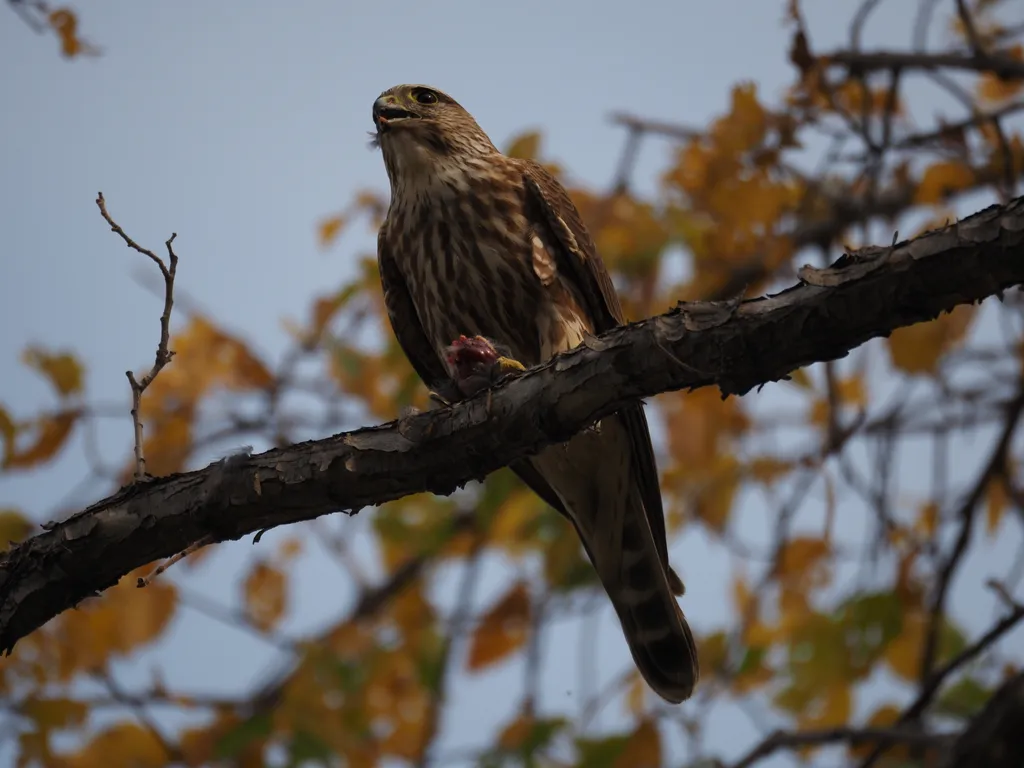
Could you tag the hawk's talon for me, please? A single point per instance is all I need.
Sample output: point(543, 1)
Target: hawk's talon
point(509, 366)
point(439, 399)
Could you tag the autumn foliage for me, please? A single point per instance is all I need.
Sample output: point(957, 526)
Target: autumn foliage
point(839, 504)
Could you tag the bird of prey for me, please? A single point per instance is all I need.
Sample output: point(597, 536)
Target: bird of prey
point(476, 243)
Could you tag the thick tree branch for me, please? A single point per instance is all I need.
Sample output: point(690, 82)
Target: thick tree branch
point(734, 345)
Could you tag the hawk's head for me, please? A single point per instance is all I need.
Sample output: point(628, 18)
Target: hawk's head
point(419, 129)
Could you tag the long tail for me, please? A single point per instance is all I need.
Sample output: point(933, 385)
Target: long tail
point(639, 587)
point(592, 476)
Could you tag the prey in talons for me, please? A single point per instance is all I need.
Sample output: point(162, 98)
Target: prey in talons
point(475, 364)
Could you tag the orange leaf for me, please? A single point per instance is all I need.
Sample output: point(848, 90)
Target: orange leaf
point(525, 146)
point(117, 623)
point(997, 501)
point(712, 651)
point(768, 469)
point(918, 348)
point(329, 229)
point(55, 713)
point(942, 180)
point(515, 733)
point(120, 744)
point(65, 24)
point(832, 709)
point(502, 630)
point(903, 654)
point(265, 595)
point(63, 370)
point(51, 434)
point(744, 599)
point(289, 549)
point(804, 559)
point(14, 527)
point(636, 695)
point(993, 88)
point(927, 519)
point(643, 749)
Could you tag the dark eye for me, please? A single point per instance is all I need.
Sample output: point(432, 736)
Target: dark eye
point(424, 96)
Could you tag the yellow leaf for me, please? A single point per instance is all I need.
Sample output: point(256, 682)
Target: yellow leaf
point(525, 146)
point(768, 469)
point(801, 378)
point(993, 88)
point(927, 519)
point(503, 629)
point(712, 651)
point(514, 526)
point(396, 696)
point(411, 610)
point(758, 634)
point(117, 623)
point(51, 432)
point(329, 229)
point(743, 598)
point(832, 708)
point(14, 527)
point(997, 500)
point(636, 694)
point(850, 391)
point(63, 370)
point(64, 22)
point(919, 347)
point(903, 654)
point(643, 749)
point(289, 549)
point(804, 559)
point(121, 744)
point(713, 503)
point(941, 180)
point(55, 713)
point(265, 595)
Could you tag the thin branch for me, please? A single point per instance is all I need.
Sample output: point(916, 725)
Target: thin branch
point(1001, 66)
point(163, 354)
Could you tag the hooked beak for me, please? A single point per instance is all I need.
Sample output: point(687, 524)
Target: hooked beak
point(386, 111)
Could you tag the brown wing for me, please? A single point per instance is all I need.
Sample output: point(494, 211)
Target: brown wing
point(580, 262)
point(405, 322)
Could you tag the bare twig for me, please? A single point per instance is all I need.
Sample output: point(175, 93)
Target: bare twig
point(163, 354)
point(969, 28)
point(857, 62)
point(146, 581)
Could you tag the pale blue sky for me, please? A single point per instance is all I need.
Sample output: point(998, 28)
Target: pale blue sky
point(238, 125)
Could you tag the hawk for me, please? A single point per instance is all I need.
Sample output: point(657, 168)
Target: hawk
point(478, 243)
